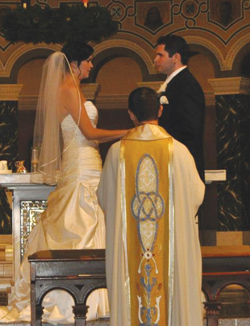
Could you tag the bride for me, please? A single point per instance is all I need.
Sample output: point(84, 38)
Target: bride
point(73, 218)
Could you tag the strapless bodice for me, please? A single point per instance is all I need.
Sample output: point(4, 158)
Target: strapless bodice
point(70, 131)
point(78, 152)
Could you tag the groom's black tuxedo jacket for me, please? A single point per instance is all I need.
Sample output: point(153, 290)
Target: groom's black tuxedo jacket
point(183, 118)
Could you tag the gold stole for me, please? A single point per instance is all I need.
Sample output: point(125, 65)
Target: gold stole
point(148, 229)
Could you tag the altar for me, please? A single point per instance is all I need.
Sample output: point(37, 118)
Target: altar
point(29, 200)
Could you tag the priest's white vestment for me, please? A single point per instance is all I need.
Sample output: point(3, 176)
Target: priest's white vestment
point(188, 194)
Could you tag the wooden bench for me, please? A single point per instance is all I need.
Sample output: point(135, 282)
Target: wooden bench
point(223, 266)
point(79, 272)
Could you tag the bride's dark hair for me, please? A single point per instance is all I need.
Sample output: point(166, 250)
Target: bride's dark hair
point(77, 51)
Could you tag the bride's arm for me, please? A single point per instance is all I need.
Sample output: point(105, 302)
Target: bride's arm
point(70, 100)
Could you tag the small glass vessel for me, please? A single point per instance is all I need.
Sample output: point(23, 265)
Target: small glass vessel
point(34, 160)
point(3, 165)
point(20, 167)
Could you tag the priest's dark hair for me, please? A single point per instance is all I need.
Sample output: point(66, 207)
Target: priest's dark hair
point(77, 50)
point(143, 102)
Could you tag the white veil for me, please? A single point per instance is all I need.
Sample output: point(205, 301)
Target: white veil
point(47, 132)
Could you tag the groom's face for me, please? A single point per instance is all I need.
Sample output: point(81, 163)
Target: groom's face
point(163, 63)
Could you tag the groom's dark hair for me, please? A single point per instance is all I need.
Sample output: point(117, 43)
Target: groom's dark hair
point(175, 44)
point(143, 102)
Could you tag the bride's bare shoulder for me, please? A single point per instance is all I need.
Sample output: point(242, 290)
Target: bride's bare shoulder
point(68, 90)
point(69, 98)
point(68, 84)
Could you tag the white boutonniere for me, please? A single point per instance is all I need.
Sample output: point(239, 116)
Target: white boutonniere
point(163, 100)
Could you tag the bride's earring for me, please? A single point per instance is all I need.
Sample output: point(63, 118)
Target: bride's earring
point(76, 72)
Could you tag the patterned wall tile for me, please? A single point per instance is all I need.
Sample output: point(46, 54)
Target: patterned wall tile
point(233, 154)
point(8, 151)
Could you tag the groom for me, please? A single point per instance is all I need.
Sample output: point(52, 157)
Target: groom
point(184, 108)
point(150, 192)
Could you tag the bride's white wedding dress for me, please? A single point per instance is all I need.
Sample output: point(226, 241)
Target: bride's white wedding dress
point(73, 220)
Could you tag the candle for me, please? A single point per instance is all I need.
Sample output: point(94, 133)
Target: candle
point(85, 3)
point(25, 4)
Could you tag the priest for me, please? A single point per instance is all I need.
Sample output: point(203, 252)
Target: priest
point(150, 192)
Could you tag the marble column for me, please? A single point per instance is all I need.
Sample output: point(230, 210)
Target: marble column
point(8, 144)
point(233, 151)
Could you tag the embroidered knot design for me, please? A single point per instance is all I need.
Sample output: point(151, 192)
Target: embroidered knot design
point(147, 207)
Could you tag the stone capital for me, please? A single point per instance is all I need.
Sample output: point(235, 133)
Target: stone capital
point(90, 90)
point(10, 92)
point(230, 86)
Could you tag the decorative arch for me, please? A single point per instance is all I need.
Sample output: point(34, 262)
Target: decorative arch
point(128, 45)
point(6, 70)
point(225, 63)
point(233, 52)
point(232, 282)
point(211, 47)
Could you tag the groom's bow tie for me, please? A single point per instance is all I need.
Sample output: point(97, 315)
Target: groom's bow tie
point(163, 87)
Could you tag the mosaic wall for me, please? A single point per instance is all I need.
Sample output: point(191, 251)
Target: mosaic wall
point(30, 211)
point(214, 17)
point(5, 214)
point(221, 26)
point(233, 154)
point(8, 151)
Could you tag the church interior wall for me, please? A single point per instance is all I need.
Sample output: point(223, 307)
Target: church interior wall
point(221, 50)
point(118, 76)
point(29, 76)
point(241, 64)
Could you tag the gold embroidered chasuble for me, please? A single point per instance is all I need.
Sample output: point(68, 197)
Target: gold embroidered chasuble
point(148, 225)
